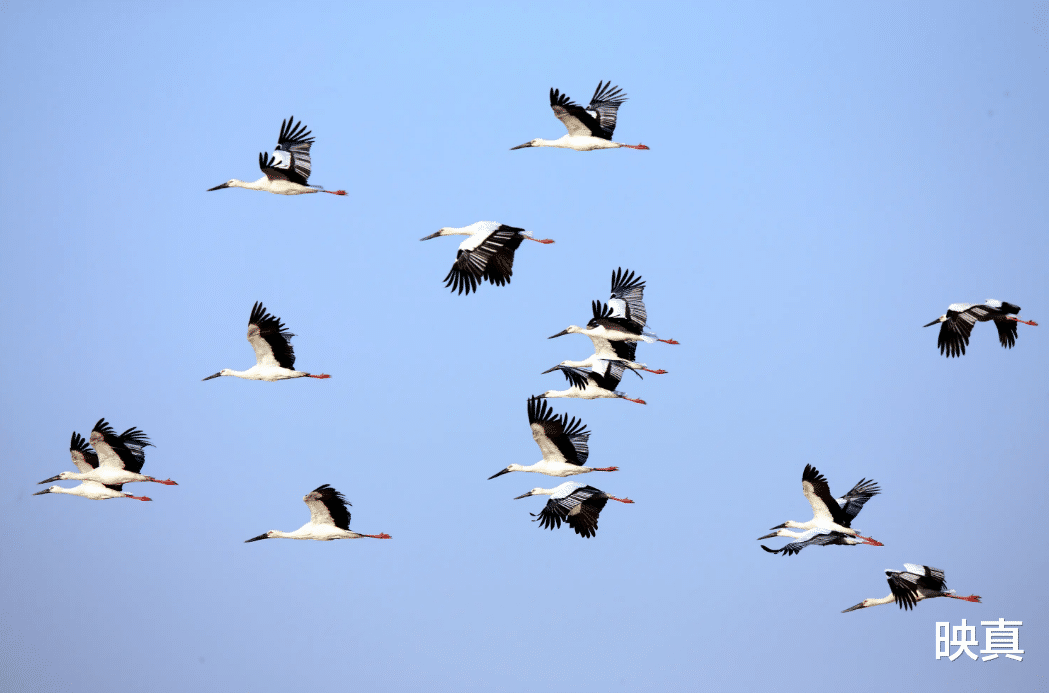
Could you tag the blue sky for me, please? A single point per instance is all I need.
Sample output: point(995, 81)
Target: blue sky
point(822, 181)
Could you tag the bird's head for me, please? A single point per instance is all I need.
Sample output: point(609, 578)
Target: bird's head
point(532, 143)
point(224, 371)
point(571, 329)
point(862, 605)
point(777, 533)
point(942, 318)
point(49, 489)
point(267, 535)
point(511, 468)
point(534, 492)
point(231, 183)
point(64, 476)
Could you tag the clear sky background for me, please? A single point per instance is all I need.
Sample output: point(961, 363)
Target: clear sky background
point(823, 180)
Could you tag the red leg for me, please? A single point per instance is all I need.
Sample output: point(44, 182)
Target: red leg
point(669, 341)
point(659, 372)
point(166, 482)
point(540, 240)
point(639, 401)
point(335, 192)
point(606, 469)
point(1026, 322)
point(141, 498)
point(872, 542)
point(322, 376)
point(621, 500)
point(378, 536)
point(635, 146)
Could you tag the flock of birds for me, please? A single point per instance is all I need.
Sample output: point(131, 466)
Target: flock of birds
point(107, 461)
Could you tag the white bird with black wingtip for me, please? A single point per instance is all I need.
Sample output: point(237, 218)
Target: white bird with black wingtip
point(486, 254)
point(576, 504)
point(588, 128)
point(957, 324)
point(563, 442)
point(830, 513)
point(912, 585)
point(274, 354)
point(120, 458)
point(596, 383)
point(287, 169)
point(86, 461)
point(814, 537)
point(329, 519)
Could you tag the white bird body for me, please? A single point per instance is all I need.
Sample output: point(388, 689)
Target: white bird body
point(597, 383)
point(274, 354)
point(329, 519)
point(486, 254)
point(912, 585)
point(288, 168)
point(576, 504)
point(588, 128)
point(91, 490)
point(957, 323)
point(817, 537)
point(830, 513)
point(564, 444)
point(117, 459)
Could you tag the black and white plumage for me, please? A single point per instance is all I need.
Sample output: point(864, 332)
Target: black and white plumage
point(274, 354)
point(329, 519)
point(86, 461)
point(588, 128)
point(957, 323)
point(563, 442)
point(814, 537)
point(287, 169)
point(913, 584)
point(829, 512)
point(622, 319)
point(487, 254)
point(576, 504)
point(117, 460)
point(599, 382)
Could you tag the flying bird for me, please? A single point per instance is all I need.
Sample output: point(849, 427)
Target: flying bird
point(563, 442)
point(288, 168)
point(814, 537)
point(117, 460)
point(573, 503)
point(588, 128)
point(910, 586)
point(829, 512)
point(622, 319)
point(487, 253)
point(597, 383)
point(329, 519)
point(957, 324)
point(274, 355)
point(87, 461)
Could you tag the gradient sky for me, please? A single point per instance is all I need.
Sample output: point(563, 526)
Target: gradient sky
point(823, 180)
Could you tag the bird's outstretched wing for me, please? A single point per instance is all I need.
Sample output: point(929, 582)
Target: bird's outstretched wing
point(604, 106)
point(852, 502)
point(270, 339)
point(627, 300)
point(484, 256)
point(328, 507)
point(559, 438)
point(576, 377)
point(817, 493)
point(1007, 332)
point(290, 161)
point(904, 587)
point(84, 458)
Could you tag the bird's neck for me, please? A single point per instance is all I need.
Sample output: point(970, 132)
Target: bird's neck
point(883, 600)
point(260, 184)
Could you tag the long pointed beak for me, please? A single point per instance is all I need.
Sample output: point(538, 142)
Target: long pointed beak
point(768, 536)
point(521, 146)
point(550, 370)
point(48, 481)
point(498, 474)
point(929, 325)
point(261, 536)
point(853, 608)
point(432, 235)
point(218, 187)
point(211, 376)
point(782, 526)
point(559, 334)
point(523, 496)
point(40, 493)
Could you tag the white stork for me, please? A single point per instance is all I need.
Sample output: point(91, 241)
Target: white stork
point(623, 318)
point(829, 512)
point(274, 355)
point(910, 586)
point(87, 461)
point(288, 168)
point(120, 458)
point(957, 324)
point(814, 537)
point(597, 383)
point(564, 443)
point(329, 519)
point(588, 128)
point(487, 253)
point(573, 503)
